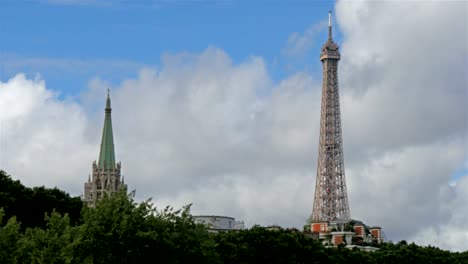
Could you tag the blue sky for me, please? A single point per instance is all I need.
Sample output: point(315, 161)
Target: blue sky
point(70, 41)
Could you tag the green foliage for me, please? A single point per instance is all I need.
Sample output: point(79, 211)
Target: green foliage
point(349, 226)
point(30, 204)
point(120, 230)
point(259, 245)
point(9, 235)
point(55, 244)
point(403, 252)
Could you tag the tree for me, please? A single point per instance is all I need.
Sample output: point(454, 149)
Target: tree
point(54, 244)
point(29, 205)
point(118, 230)
point(9, 235)
point(259, 245)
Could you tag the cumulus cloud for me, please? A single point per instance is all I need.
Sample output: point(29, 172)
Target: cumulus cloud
point(201, 129)
point(405, 116)
point(41, 137)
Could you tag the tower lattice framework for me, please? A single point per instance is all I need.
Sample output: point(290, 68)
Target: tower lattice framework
point(331, 198)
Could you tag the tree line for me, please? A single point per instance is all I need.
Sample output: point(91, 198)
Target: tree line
point(41, 225)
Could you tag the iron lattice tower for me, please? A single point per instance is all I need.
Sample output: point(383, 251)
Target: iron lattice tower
point(331, 198)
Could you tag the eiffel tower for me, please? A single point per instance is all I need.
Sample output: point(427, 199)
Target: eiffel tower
point(331, 198)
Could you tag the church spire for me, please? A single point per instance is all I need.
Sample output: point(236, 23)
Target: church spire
point(106, 177)
point(106, 154)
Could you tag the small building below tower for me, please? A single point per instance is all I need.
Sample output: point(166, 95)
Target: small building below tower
point(348, 232)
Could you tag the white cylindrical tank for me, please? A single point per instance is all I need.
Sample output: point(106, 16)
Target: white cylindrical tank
point(217, 222)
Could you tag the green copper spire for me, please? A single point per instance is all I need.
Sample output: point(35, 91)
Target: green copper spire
point(107, 155)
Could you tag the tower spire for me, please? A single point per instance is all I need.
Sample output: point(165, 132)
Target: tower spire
point(108, 102)
point(106, 154)
point(330, 25)
point(106, 177)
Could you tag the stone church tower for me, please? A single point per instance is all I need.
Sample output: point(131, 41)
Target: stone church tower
point(106, 178)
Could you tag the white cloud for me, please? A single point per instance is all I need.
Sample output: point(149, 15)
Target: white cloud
point(451, 233)
point(299, 44)
point(224, 136)
point(405, 115)
point(41, 137)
